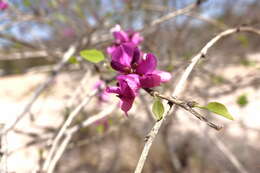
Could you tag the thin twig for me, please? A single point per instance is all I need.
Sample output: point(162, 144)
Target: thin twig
point(70, 132)
point(64, 127)
point(174, 14)
point(59, 153)
point(41, 88)
point(187, 105)
point(226, 151)
point(181, 85)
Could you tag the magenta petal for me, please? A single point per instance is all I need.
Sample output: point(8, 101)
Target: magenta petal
point(119, 67)
point(150, 80)
point(3, 5)
point(111, 49)
point(136, 57)
point(126, 104)
point(132, 81)
point(115, 90)
point(119, 56)
point(147, 65)
point(136, 38)
point(123, 54)
point(165, 76)
point(120, 36)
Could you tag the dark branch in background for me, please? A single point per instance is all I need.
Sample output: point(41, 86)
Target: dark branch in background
point(170, 16)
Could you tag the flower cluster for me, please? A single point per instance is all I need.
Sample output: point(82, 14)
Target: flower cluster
point(136, 69)
point(3, 5)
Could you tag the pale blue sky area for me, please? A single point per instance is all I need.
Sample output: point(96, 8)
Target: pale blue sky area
point(32, 31)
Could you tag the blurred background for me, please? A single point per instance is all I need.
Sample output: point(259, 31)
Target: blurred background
point(40, 82)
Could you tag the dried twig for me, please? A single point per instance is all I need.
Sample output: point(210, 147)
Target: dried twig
point(173, 14)
point(181, 85)
point(227, 153)
point(187, 105)
point(106, 112)
point(41, 88)
point(64, 127)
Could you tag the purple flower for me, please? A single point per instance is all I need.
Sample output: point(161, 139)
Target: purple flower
point(129, 36)
point(149, 76)
point(134, 37)
point(127, 90)
point(124, 52)
point(3, 5)
point(135, 72)
point(125, 58)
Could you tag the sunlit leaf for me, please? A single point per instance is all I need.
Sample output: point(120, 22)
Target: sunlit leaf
point(73, 60)
point(92, 55)
point(217, 108)
point(158, 109)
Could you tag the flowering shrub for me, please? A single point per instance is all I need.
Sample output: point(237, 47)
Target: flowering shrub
point(135, 69)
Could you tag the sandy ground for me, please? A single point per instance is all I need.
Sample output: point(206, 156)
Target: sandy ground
point(16, 90)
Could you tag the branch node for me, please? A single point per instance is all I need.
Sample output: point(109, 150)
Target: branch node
point(146, 138)
point(191, 104)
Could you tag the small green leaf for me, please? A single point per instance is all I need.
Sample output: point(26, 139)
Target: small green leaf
point(158, 109)
point(92, 55)
point(27, 3)
point(217, 108)
point(73, 60)
point(242, 100)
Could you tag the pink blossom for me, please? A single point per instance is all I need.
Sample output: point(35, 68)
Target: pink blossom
point(127, 90)
point(3, 5)
point(129, 36)
point(149, 76)
point(125, 57)
point(135, 72)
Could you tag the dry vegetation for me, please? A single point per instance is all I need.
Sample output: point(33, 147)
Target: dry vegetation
point(41, 89)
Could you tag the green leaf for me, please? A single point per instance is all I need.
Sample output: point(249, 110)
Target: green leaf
point(158, 109)
point(73, 60)
point(27, 3)
point(92, 55)
point(217, 108)
point(242, 100)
